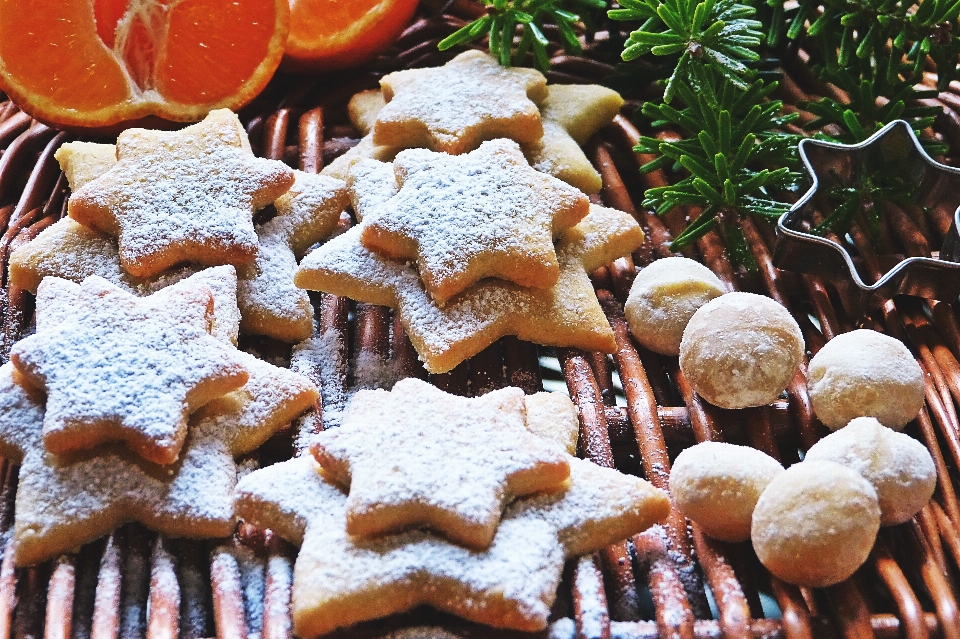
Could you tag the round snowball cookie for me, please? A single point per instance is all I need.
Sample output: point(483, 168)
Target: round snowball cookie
point(741, 350)
point(664, 297)
point(865, 374)
point(815, 523)
point(717, 485)
point(899, 467)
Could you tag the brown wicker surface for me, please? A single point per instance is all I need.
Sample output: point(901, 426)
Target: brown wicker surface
point(136, 583)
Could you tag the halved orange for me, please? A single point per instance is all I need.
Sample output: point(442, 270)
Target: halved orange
point(97, 63)
point(327, 35)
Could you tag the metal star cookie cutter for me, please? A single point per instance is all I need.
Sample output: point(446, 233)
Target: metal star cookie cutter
point(895, 147)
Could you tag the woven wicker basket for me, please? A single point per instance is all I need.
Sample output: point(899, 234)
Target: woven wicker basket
point(636, 413)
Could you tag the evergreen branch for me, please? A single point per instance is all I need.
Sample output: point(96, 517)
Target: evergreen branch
point(715, 33)
point(503, 19)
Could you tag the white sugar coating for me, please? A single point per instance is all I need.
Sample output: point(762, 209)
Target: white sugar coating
point(455, 107)
point(57, 298)
point(128, 369)
point(181, 196)
point(366, 148)
point(371, 184)
point(815, 523)
point(270, 399)
point(73, 252)
point(270, 304)
point(252, 581)
point(308, 211)
point(276, 604)
point(717, 485)
point(865, 373)
point(663, 298)
point(899, 467)
point(589, 583)
point(370, 371)
point(566, 315)
point(741, 350)
point(63, 503)
point(84, 162)
point(339, 580)
point(363, 109)
point(563, 628)
point(553, 416)
point(322, 358)
point(418, 456)
point(467, 217)
point(222, 282)
point(69, 250)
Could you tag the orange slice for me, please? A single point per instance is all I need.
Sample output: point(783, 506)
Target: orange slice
point(97, 63)
point(326, 35)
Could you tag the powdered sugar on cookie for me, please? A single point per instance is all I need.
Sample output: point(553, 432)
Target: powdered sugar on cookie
point(568, 314)
point(339, 580)
point(464, 218)
point(455, 107)
point(184, 196)
point(129, 369)
point(270, 304)
point(418, 456)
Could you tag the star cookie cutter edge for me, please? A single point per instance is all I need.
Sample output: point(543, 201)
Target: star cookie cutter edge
point(804, 252)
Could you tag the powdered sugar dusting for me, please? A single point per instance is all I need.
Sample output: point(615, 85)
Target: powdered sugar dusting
point(179, 196)
point(128, 368)
point(567, 314)
point(417, 455)
point(454, 107)
point(270, 303)
point(511, 584)
point(366, 148)
point(463, 218)
point(593, 613)
point(63, 503)
point(370, 184)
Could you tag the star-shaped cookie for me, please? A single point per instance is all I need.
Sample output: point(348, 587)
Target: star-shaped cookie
point(455, 107)
point(65, 502)
point(340, 580)
point(567, 314)
point(84, 162)
point(417, 456)
point(182, 196)
point(221, 280)
point(363, 109)
point(130, 369)
point(571, 114)
point(482, 214)
point(270, 304)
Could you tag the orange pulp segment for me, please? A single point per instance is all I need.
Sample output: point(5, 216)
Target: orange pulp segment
point(96, 63)
point(327, 35)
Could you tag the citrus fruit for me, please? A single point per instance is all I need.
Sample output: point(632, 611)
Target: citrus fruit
point(97, 63)
point(326, 35)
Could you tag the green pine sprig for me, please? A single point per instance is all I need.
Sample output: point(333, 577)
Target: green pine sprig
point(503, 19)
point(736, 157)
point(876, 52)
point(717, 33)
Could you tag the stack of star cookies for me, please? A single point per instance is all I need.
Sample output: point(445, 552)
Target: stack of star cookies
point(463, 237)
point(421, 497)
point(159, 206)
point(123, 408)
